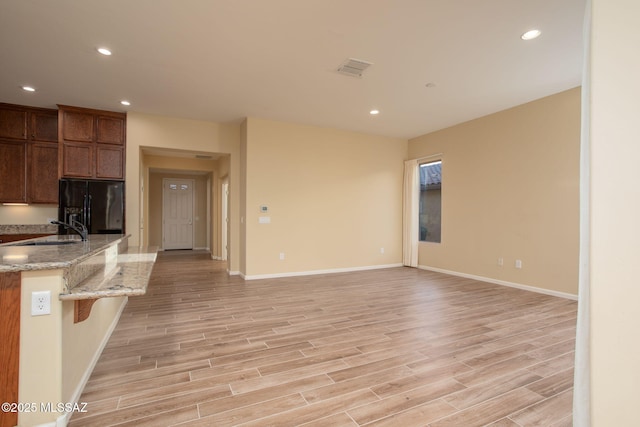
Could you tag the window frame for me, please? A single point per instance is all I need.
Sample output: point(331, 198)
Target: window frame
point(424, 162)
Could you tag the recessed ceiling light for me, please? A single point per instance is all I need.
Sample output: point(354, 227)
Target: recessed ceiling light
point(28, 89)
point(127, 103)
point(104, 51)
point(374, 112)
point(530, 35)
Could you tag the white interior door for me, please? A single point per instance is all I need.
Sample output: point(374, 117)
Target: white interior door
point(177, 213)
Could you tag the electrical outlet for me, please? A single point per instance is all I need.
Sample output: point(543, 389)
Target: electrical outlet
point(518, 263)
point(40, 303)
point(381, 250)
point(281, 255)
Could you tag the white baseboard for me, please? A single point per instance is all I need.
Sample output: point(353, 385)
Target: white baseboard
point(235, 273)
point(313, 272)
point(63, 420)
point(502, 282)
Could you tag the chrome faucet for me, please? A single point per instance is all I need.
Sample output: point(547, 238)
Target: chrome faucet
point(76, 226)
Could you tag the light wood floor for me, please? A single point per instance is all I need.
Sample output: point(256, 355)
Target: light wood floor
point(393, 347)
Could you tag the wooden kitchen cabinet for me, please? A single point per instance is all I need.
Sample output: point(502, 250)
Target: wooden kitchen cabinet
point(13, 188)
point(28, 140)
point(91, 143)
point(75, 160)
point(13, 122)
point(110, 130)
point(44, 126)
point(7, 238)
point(42, 172)
point(75, 125)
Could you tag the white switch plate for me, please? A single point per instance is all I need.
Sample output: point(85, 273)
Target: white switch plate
point(264, 219)
point(281, 255)
point(40, 303)
point(518, 263)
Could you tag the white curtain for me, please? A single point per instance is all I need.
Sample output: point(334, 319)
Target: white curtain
point(410, 206)
point(582, 377)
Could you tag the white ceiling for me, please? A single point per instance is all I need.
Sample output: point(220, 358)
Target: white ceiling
point(223, 60)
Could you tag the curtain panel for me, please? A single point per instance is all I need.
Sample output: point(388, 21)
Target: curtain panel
point(411, 194)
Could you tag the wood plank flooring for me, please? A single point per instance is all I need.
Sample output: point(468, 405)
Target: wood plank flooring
point(394, 347)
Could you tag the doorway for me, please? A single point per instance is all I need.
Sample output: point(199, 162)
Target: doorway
point(225, 218)
point(177, 213)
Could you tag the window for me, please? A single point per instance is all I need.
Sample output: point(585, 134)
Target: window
point(430, 201)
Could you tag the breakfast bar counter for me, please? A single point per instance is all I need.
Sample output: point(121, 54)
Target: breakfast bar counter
point(102, 266)
point(60, 299)
point(128, 276)
point(56, 251)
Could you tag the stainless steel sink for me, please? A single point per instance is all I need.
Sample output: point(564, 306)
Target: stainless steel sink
point(47, 243)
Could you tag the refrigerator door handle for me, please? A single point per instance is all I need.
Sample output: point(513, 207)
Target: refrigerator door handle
point(87, 210)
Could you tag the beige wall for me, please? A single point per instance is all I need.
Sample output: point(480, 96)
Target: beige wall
point(243, 200)
point(334, 198)
point(55, 353)
point(27, 214)
point(615, 212)
point(145, 130)
point(40, 377)
point(510, 189)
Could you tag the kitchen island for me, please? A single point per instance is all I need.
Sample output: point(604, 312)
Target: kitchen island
point(48, 351)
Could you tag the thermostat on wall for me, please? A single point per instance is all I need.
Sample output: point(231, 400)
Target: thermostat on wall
point(264, 208)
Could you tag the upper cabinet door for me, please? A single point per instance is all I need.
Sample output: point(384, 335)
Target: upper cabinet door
point(13, 187)
point(109, 162)
point(44, 126)
point(76, 160)
point(77, 126)
point(110, 130)
point(42, 173)
point(13, 123)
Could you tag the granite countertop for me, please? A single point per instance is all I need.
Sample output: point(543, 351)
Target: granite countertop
point(128, 277)
point(28, 229)
point(16, 257)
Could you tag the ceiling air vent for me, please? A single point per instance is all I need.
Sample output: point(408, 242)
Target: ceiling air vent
point(353, 67)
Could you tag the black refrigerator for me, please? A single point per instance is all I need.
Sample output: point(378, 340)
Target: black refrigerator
point(99, 205)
